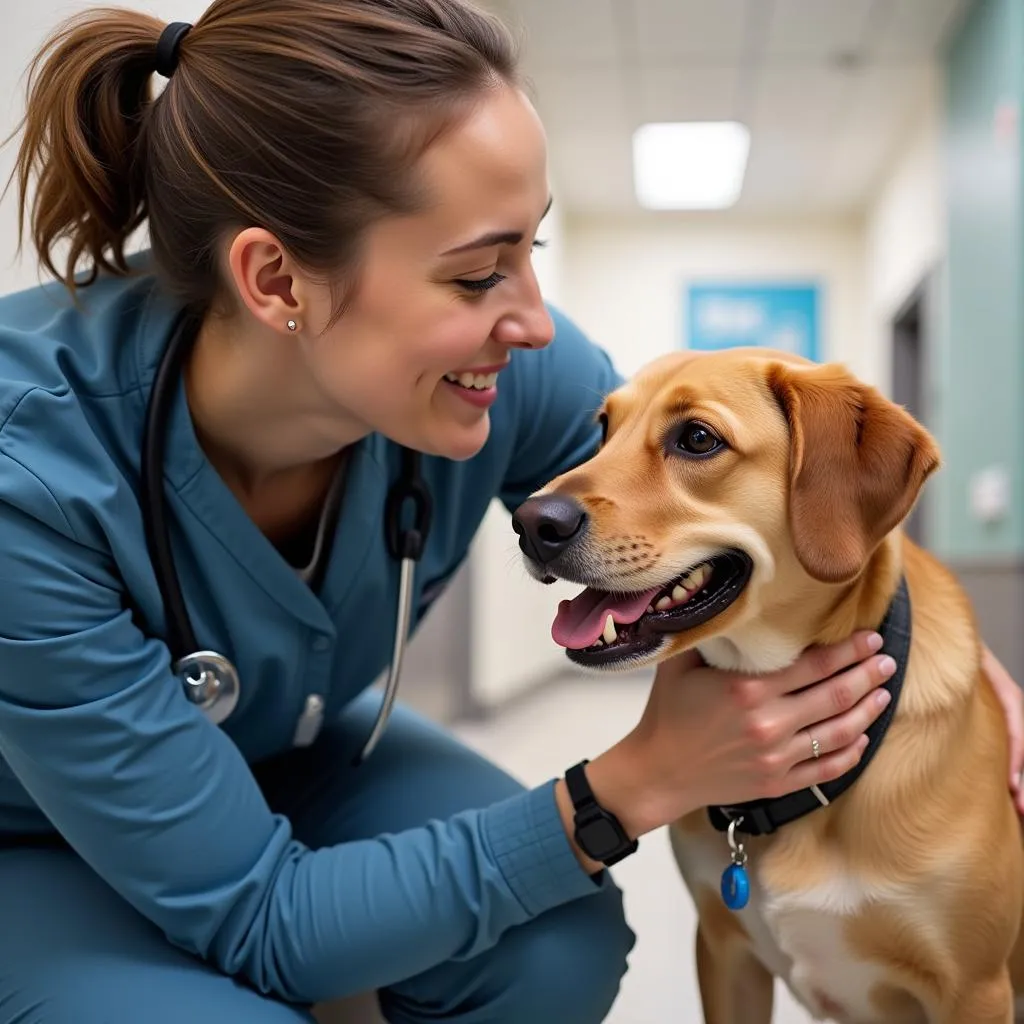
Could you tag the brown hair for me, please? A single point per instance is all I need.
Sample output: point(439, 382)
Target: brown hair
point(304, 117)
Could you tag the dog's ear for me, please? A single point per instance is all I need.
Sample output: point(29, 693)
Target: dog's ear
point(857, 465)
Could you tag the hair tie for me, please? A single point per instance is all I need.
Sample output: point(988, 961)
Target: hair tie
point(168, 45)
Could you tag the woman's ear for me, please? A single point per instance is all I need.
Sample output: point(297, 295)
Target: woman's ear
point(857, 465)
point(264, 278)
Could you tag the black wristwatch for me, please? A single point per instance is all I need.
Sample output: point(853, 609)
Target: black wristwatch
point(599, 834)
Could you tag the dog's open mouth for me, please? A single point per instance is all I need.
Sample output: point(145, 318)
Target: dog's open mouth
point(601, 628)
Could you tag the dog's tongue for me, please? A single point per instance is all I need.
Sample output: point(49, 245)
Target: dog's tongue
point(581, 621)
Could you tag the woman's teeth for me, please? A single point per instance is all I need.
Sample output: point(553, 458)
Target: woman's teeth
point(474, 381)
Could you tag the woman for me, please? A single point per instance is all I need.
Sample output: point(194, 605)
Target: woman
point(341, 197)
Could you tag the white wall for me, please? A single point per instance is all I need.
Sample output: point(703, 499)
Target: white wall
point(904, 226)
point(625, 279)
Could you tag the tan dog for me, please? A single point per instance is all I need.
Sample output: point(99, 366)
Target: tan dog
point(749, 504)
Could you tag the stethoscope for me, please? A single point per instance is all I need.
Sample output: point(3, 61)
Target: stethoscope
point(209, 679)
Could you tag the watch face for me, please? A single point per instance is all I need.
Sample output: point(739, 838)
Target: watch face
point(599, 839)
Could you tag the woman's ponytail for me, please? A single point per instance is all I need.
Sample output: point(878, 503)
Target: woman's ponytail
point(88, 91)
point(305, 117)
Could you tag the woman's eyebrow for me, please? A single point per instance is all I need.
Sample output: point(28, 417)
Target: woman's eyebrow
point(494, 238)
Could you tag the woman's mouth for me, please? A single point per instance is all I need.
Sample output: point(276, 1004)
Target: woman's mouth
point(472, 381)
point(478, 388)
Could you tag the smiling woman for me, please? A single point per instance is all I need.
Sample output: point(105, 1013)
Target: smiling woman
point(342, 198)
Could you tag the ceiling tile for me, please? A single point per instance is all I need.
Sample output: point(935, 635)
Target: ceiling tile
point(565, 99)
point(816, 29)
point(820, 134)
point(684, 94)
point(567, 34)
point(911, 29)
point(881, 97)
point(698, 30)
point(797, 101)
point(593, 169)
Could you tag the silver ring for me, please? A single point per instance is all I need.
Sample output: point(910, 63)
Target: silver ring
point(815, 747)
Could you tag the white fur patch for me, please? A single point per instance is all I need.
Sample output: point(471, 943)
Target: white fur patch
point(799, 937)
point(751, 648)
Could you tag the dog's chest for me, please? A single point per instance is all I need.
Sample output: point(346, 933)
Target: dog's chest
point(799, 937)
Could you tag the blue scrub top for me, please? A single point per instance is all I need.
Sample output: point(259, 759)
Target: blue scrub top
point(96, 737)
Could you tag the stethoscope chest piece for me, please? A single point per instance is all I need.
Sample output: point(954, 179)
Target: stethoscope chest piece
point(210, 681)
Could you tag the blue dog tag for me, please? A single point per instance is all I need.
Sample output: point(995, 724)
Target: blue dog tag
point(735, 886)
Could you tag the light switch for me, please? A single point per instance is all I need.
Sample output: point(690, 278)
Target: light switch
point(990, 494)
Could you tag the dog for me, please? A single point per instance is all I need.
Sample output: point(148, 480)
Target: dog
point(751, 504)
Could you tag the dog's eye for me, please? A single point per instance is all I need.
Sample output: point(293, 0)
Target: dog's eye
point(697, 438)
point(603, 420)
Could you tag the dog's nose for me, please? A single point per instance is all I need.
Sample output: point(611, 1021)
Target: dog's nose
point(547, 524)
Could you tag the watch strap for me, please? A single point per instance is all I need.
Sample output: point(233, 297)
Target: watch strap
point(588, 810)
point(578, 785)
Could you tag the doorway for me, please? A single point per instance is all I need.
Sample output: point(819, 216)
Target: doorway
point(909, 355)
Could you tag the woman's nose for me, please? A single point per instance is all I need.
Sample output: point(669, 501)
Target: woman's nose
point(529, 327)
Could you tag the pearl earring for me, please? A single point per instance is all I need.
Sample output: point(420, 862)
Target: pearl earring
point(292, 325)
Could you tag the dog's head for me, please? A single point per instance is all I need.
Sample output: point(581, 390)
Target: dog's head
point(727, 484)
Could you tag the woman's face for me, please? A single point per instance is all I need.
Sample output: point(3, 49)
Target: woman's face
point(442, 296)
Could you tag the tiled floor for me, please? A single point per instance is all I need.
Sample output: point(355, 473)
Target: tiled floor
point(537, 739)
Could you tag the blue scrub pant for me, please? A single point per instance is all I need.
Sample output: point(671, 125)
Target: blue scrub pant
point(72, 952)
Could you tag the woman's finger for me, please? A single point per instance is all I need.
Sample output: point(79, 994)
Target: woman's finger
point(818, 663)
point(837, 733)
point(826, 768)
point(839, 694)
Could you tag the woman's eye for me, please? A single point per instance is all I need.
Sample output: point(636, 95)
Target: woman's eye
point(483, 284)
point(696, 438)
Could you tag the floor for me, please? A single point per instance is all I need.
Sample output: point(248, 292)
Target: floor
point(538, 738)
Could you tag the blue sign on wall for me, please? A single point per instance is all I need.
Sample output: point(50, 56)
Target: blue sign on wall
point(783, 316)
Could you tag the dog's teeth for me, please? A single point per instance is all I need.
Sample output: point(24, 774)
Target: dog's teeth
point(697, 578)
point(650, 609)
point(598, 642)
point(609, 633)
point(678, 593)
point(662, 603)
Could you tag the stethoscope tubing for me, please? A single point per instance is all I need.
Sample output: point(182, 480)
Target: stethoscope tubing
point(402, 622)
point(210, 679)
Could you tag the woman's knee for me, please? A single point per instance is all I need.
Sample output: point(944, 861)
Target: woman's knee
point(564, 967)
point(570, 970)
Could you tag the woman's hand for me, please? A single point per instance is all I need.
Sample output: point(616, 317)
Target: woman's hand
point(1012, 699)
point(711, 737)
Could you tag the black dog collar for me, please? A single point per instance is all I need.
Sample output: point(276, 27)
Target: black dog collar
point(761, 817)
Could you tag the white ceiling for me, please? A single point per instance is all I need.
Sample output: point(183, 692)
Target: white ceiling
point(828, 88)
